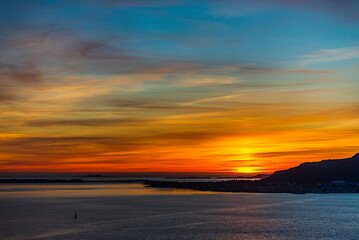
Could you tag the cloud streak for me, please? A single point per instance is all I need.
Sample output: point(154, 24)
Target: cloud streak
point(330, 55)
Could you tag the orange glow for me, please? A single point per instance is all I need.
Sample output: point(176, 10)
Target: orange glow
point(247, 170)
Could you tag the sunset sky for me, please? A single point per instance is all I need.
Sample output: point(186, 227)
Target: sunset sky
point(177, 85)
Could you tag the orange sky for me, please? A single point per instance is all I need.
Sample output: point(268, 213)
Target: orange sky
point(154, 92)
point(216, 135)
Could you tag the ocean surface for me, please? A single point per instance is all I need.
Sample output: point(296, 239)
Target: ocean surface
point(132, 211)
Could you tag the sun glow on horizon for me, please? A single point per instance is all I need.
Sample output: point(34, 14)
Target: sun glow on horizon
point(248, 170)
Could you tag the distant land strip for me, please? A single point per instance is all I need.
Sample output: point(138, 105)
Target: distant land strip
point(262, 186)
point(75, 180)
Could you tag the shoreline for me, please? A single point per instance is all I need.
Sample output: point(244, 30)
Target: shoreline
point(75, 180)
point(262, 186)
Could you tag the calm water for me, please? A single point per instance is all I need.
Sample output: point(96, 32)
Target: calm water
point(129, 211)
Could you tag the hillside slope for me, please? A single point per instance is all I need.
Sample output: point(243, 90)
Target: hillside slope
point(323, 171)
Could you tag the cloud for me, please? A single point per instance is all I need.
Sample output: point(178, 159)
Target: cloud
point(58, 51)
point(330, 55)
point(25, 73)
point(255, 69)
point(50, 44)
point(213, 99)
point(15, 78)
point(6, 97)
point(86, 122)
point(309, 153)
point(207, 81)
point(56, 147)
point(95, 50)
point(162, 106)
point(53, 140)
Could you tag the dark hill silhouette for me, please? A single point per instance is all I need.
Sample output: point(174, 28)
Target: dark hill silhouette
point(324, 171)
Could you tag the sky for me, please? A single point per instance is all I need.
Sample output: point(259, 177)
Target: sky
point(177, 85)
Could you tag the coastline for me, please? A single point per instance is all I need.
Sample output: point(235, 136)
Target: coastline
point(262, 186)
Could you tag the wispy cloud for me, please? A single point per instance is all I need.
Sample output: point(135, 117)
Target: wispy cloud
point(330, 55)
point(5, 97)
point(219, 98)
point(26, 73)
point(257, 69)
point(95, 122)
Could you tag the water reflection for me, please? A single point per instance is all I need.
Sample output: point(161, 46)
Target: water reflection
point(130, 211)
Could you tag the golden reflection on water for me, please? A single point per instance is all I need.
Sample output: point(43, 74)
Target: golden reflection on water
point(86, 190)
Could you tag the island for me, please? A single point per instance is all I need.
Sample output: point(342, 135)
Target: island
point(327, 176)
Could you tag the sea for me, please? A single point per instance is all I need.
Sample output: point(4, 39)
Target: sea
point(111, 211)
